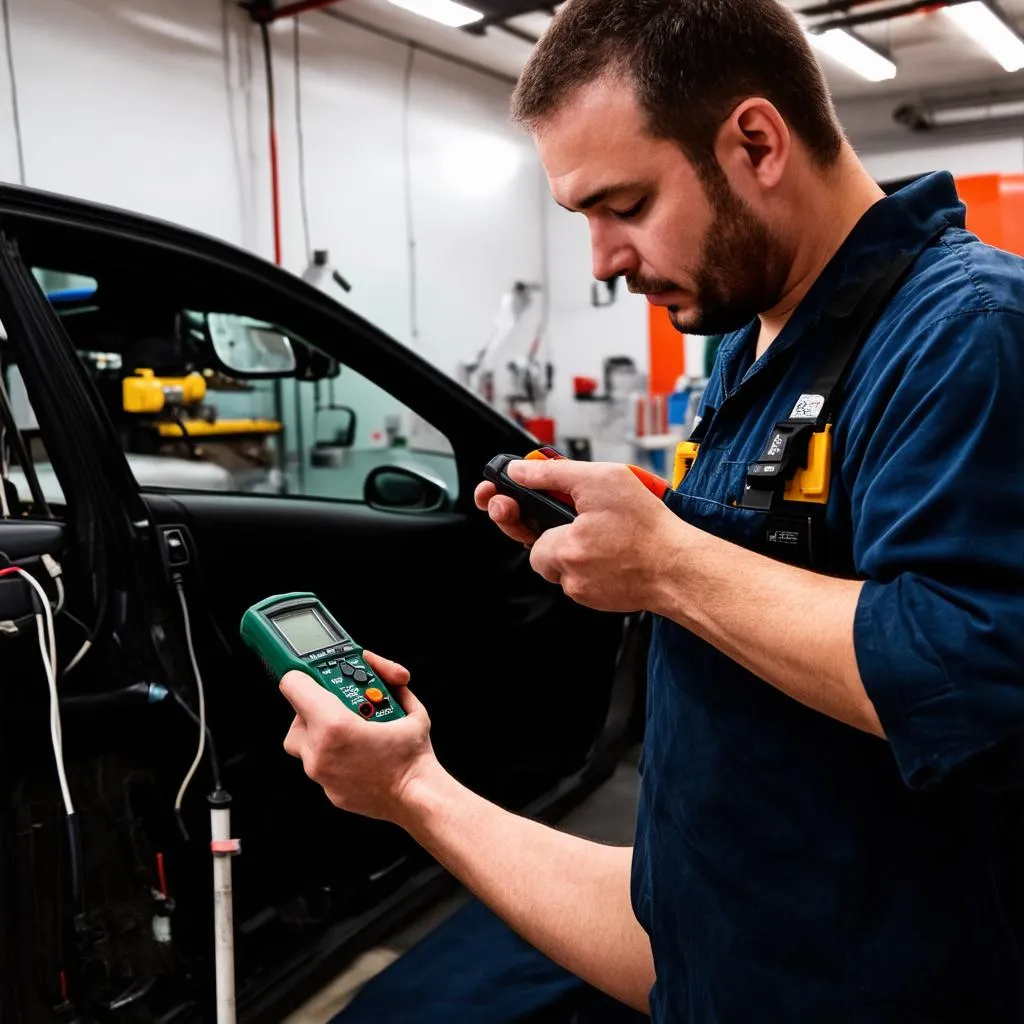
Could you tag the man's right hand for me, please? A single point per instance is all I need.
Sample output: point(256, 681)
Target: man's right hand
point(363, 767)
point(567, 896)
point(504, 512)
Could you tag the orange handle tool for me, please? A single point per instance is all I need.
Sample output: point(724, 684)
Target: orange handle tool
point(657, 485)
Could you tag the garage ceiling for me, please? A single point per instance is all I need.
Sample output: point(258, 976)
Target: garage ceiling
point(934, 59)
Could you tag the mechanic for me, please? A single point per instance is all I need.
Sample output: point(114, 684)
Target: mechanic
point(829, 825)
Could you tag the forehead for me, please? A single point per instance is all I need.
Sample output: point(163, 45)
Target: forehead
point(598, 140)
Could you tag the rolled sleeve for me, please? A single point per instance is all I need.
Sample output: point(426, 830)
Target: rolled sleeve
point(938, 509)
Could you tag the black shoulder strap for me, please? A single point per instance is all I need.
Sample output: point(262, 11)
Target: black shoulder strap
point(853, 313)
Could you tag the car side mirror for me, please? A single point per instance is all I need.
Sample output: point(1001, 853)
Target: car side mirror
point(401, 489)
point(332, 452)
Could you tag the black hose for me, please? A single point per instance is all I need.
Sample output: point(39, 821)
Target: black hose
point(75, 849)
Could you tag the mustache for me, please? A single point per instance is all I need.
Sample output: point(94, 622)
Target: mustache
point(650, 285)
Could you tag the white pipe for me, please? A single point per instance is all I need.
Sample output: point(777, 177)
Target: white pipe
point(223, 916)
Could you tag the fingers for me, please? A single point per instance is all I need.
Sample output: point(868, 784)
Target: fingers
point(544, 558)
point(504, 513)
point(397, 676)
point(390, 671)
point(411, 704)
point(483, 494)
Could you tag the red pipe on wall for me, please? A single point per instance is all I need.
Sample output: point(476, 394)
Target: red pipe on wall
point(275, 182)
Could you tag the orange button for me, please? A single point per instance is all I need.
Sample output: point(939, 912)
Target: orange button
point(373, 694)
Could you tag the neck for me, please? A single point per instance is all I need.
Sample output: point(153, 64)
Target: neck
point(830, 208)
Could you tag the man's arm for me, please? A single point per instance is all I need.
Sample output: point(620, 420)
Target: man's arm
point(568, 897)
point(791, 627)
point(627, 550)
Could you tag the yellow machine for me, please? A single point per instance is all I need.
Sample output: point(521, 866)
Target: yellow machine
point(148, 394)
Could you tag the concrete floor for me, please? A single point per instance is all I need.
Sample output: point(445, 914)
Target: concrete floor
point(607, 816)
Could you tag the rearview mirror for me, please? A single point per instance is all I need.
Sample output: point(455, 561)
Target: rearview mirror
point(250, 348)
point(402, 489)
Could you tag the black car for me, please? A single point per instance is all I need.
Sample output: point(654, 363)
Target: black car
point(112, 321)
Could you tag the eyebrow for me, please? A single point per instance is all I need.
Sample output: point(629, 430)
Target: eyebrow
point(601, 195)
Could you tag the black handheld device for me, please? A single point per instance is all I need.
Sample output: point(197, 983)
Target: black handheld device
point(538, 510)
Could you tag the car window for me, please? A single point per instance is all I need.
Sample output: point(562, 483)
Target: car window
point(186, 422)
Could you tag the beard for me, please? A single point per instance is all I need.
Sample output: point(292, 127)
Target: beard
point(742, 270)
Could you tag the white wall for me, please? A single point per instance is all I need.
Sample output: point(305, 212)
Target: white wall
point(987, 156)
point(161, 108)
point(582, 336)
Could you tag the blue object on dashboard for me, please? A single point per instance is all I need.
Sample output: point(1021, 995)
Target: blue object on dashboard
point(63, 295)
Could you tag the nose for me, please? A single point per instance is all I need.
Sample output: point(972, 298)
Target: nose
point(611, 252)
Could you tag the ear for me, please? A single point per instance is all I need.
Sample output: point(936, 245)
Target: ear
point(754, 143)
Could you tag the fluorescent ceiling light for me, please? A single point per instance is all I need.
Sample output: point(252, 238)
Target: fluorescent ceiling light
point(987, 29)
point(445, 11)
point(943, 117)
point(840, 45)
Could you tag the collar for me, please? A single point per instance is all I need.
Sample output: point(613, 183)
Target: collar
point(906, 221)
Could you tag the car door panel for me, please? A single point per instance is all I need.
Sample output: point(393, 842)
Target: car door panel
point(495, 651)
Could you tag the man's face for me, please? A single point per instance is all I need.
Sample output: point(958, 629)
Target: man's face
point(693, 246)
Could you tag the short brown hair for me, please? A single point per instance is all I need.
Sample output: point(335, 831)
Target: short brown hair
point(691, 62)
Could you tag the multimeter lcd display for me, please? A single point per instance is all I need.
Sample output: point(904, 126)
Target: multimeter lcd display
point(305, 630)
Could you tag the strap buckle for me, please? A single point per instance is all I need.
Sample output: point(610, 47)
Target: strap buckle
point(784, 453)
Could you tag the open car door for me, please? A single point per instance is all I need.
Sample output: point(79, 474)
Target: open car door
point(530, 695)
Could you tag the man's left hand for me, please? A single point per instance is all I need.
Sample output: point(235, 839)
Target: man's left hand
point(610, 557)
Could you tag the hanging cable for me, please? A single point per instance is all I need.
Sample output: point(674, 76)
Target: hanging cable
point(202, 701)
point(414, 327)
point(303, 190)
point(275, 184)
point(211, 750)
point(48, 651)
point(82, 652)
point(15, 109)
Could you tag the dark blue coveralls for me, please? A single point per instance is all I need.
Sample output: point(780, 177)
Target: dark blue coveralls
point(790, 868)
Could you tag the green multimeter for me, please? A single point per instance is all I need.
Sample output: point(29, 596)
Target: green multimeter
point(295, 631)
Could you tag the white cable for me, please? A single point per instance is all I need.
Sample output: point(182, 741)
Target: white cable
point(44, 600)
point(48, 650)
point(202, 700)
point(60, 596)
point(56, 735)
point(82, 652)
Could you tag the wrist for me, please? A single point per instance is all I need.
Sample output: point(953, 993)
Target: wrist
point(671, 585)
point(423, 797)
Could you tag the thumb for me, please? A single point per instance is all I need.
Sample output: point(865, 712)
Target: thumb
point(390, 671)
point(309, 699)
point(562, 475)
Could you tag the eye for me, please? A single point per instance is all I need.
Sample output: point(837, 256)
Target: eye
point(632, 212)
